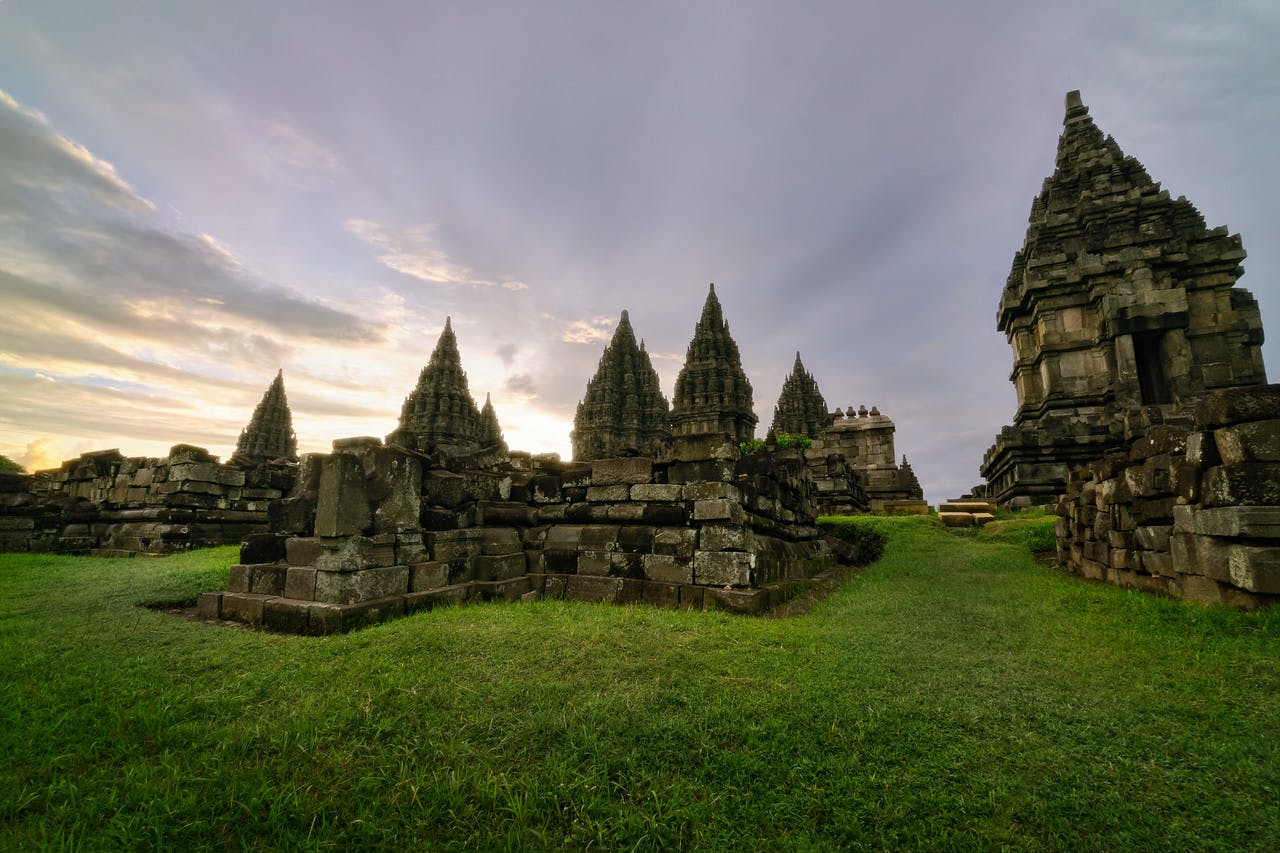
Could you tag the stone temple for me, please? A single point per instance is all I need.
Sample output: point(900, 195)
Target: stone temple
point(1122, 311)
point(713, 395)
point(269, 434)
point(623, 412)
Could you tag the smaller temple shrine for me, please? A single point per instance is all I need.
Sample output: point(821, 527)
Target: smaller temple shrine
point(623, 412)
point(713, 394)
point(801, 410)
point(269, 434)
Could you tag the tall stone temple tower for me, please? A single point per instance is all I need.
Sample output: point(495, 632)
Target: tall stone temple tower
point(440, 412)
point(713, 394)
point(1121, 309)
point(801, 410)
point(623, 412)
point(269, 435)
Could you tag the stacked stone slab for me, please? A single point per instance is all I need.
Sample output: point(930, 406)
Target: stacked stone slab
point(440, 415)
point(865, 439)
point(966, 513)
point(1190, 513)
point(801, 409)
point(269, 433)
point(1121, 311)
point(713, 395)
point(106, 503)
point(388, 533)
point(623, 412)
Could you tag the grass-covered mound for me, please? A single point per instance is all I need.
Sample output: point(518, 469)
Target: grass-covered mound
point(955, 695)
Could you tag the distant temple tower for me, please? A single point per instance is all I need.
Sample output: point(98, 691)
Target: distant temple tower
point(801, 410)
point(623, 412)
point(1121, 310)
point(269, 434)
point(440, 411)
point(712, 391)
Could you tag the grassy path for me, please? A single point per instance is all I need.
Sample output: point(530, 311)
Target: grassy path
point(955, 695)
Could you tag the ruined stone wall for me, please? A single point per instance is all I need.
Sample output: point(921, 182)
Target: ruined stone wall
point(1190, 513)
point(106, 503)
point(866, 441)
point(371, 532)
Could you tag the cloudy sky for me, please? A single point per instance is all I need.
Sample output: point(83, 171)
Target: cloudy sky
point(194, 195)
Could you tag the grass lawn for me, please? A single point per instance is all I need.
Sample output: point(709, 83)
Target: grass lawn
point(955, 695)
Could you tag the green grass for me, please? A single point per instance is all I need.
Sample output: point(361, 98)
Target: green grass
point(955, 695)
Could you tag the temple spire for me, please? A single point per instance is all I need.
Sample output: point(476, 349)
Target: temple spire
point(713, 394)
point(440, 410)
point(623, 412)
point(269, 434)
point(801, 409)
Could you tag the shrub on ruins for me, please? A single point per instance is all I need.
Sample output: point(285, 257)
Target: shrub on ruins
point(858, 542)
point(787, 441)
point(754, 445)
point(7, 464)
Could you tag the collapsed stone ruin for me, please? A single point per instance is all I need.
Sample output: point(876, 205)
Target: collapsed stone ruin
point(666, 511)
point(1143, 413)
point(111, 505)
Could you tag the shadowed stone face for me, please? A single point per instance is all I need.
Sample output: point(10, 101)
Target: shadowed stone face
point(269, 434)
point(1121, 311)
point(713, 394)
point(623, 412)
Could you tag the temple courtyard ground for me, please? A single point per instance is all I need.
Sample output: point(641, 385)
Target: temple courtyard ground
point(956, 694)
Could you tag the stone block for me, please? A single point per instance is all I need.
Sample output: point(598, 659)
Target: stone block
point(302, 551)
point(440, 596)
point(500, 540)
point(1257, 441)
point(444, 488)
point(675, 541)
point(401, 507)
point(563, 537)
point(1247, 522)
point(691, 597)
point(667, 569)
point(342, 507)
point(504, 513)
point(209, 605)
point(1119, 539)
point(1249, 483)
point(346, 587)
point(552, 561)
point(667, 492)
point(244, 607)
point(199, 472)
point(628, 512)
point(956, 519)
point(594, 588)
point(1157, 563)
point(1198, 588)
point(267, 579)
point(509, 589)
point(498, 567)
point(722, 568)
point(608, 494)
point(282, 614)
point(456, 544)
point(712, 491)
point(262, 548)
point(238, 578)
point(981, 519)
point(1153, 537)
point(429, 575)
point(1202, 450)
point(599, 537)
point(636, 539)
point(1160, 440)
point(719, 510)
point(661, 594)
point(352, 554)
point(1239, 405)
point(664, 515)
point(628, 471)
point(1199, 555)
point(1255, 568)
point(300, 583)
point(725, 537)
point(595, 563)
point(713, 470)
point(741, 601)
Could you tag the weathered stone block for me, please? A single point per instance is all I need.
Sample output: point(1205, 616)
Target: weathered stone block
point(431, 575)
point(300, 582)
point(268, 579)
point(725, 537)
point(558, 562)
point(1255, 483)
point(1239, 405)
point(594, 563)
point(444, 488)
point(1202, 450)
point(712, 491)
point(503, 513)
point(713, 470)
point(1255, 568)
point(636, 539)
point(563, 537)
point(627, 512)
point(664, 515)
point(956, 519)
point(608, 494)
point(365, 585)
point(657, 492)
point(1249, 522)
point(401, 508)
point(723, 568)
point(661, 594)
point(302, 551)
point(1258, 441)
point(1199, 555)
point(353, 554)
point(1197, 588)
point(281, 614)
point(238, 578)
point(675, 541)
point(1153, 537)
point(342, 508)
point(209, 605)
point(498, 567)
point(719, 510)
point(500, 540)
point(456, 544)
point(262, 548)
point(244, 607)
point(742, 601)
point(629, 470)
point(667, 569)
point(594, 588)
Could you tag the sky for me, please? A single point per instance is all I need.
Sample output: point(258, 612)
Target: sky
point(194, 195)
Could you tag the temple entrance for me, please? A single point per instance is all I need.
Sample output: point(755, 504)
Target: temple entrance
point(1152, 382)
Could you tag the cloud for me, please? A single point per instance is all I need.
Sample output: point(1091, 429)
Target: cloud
point(522, 384)
point(41, 454)
point(589, 331)
point(412, 251)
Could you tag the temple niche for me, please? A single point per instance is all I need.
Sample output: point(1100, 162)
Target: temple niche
point(623, 412)
point(713, 395)
point(269, 433)
point(440, 415)
point(1122, 311)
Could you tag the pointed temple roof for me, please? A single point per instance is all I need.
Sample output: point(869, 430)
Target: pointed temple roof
point(801, 409)
point(712, 390)
point(491, 430)
point(623, 412)
point(440, 410)
point(269, 434)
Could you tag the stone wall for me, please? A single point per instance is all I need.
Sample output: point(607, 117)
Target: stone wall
point(372, 532)
point(865, 440)
point(106, 503)
point(1190, 513)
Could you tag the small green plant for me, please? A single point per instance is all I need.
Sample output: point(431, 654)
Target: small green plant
point(787, 441)
point(749, 447)
point(7, 464)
